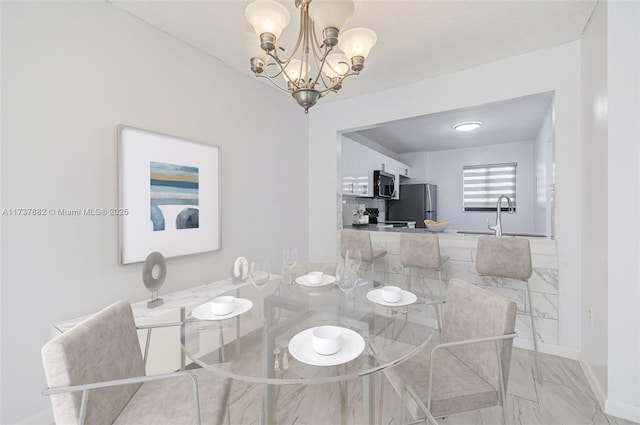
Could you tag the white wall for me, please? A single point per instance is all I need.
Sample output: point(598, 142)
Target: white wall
point(594, 194)
point(444, 168)
point(72, 71)
point(555, 69)
point(623, 327)
point(417, 161)
point(543, 154)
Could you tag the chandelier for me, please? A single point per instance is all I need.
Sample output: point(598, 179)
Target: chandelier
point(314, 68)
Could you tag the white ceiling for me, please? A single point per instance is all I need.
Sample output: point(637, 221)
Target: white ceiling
point(417, 40)
point(513, 120)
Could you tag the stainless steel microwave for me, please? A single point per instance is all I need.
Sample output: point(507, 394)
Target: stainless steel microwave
point(384, 184)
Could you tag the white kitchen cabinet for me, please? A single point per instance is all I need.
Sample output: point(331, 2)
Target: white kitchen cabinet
point(358, 164)
point(396, 168)
point(357, 167)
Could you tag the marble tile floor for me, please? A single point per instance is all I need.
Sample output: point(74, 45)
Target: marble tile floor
point(564, 397)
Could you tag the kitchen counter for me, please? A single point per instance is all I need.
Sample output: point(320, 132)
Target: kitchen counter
point(461, 250)
point(453, 233)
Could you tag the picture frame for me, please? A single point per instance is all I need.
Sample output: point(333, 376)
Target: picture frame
point(168, 195)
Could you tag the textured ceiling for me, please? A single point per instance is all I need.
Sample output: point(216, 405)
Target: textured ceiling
point(416, 39)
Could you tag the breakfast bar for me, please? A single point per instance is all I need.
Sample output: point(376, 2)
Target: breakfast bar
point(461, 249)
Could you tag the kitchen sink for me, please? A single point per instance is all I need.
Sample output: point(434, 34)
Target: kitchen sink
point(486, 232)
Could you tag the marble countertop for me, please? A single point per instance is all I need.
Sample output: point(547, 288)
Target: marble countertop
point(448, 232)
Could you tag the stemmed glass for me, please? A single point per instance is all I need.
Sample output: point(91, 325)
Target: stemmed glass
point(346, 277)
point(353, 259)
point(259, 276)
point(289, 258)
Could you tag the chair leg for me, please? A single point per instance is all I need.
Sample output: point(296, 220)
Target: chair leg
point(403, 407)
point(227, 416)
point(534, 336)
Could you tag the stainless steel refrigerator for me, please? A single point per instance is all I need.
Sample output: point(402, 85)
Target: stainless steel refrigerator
point(418, 202)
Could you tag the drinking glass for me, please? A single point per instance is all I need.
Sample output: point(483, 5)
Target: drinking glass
point(289, 259)
point(346, 277)
point(259, 276)
point(353, 259)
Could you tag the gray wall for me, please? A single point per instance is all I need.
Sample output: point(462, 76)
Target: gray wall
point(444, 168)
point(72, 71)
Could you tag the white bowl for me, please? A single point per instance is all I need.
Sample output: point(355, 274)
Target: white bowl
point(315, 277)
point(437, 227)
point(391, 294)
point(326, 340)
point(221, 306)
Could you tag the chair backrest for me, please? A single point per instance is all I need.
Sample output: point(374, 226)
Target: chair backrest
point(504, 257)
point(418, 250)
point(472, 312)
point(356, 239)
point(101, 348)
point(303, 268)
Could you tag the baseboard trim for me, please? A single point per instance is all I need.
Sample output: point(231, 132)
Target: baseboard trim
point(622, 410)
point(601, 397)
point(554, 350)
point(44, 417)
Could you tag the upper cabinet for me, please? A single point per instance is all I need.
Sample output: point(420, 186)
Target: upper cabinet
point(358, 164)
point(357, 169)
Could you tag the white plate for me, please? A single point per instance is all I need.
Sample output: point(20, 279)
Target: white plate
point(326, 280)
point(406, 298)
point(203, 311)
point(301, 348)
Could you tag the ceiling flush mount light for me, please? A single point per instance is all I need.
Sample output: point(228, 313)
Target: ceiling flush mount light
point(315, 67)
point(468, 126)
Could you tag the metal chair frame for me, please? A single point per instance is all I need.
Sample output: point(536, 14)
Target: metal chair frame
point(139, 379)
point(427, 409)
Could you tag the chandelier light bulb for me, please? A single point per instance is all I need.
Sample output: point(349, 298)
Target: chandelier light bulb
point(295, 71)
point(330, 13)
point(267, 17)
point(251, 45)
point(319, 68)
point(357, 42)
point(337, 65)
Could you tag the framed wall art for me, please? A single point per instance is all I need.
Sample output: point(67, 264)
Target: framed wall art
point(168, 195)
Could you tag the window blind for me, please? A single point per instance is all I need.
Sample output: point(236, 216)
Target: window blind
point(483, 184)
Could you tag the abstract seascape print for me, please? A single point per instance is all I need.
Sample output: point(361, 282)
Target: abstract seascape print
point(174, 196)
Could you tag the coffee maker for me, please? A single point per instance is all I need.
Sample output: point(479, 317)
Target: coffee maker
point(354, 215)
point(373, 214)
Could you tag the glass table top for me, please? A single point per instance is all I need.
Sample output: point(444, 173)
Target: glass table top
point(274, 349)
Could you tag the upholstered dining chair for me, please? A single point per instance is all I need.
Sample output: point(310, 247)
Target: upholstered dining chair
point(466, 366)
point(422, 252)
point(509, 258)
point(361, 240)
point(95, 375)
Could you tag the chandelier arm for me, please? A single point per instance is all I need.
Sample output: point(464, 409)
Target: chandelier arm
point(306, 23)
point(274, 82)
point(321, 64)
point(318, 47)
point(281, 66)
point(332, 87)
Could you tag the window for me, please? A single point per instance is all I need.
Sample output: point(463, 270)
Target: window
point(483, 184)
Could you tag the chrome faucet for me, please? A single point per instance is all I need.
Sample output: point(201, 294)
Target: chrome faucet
point(498, 226)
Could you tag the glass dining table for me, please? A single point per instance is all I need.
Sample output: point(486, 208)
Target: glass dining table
point(275, 349)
